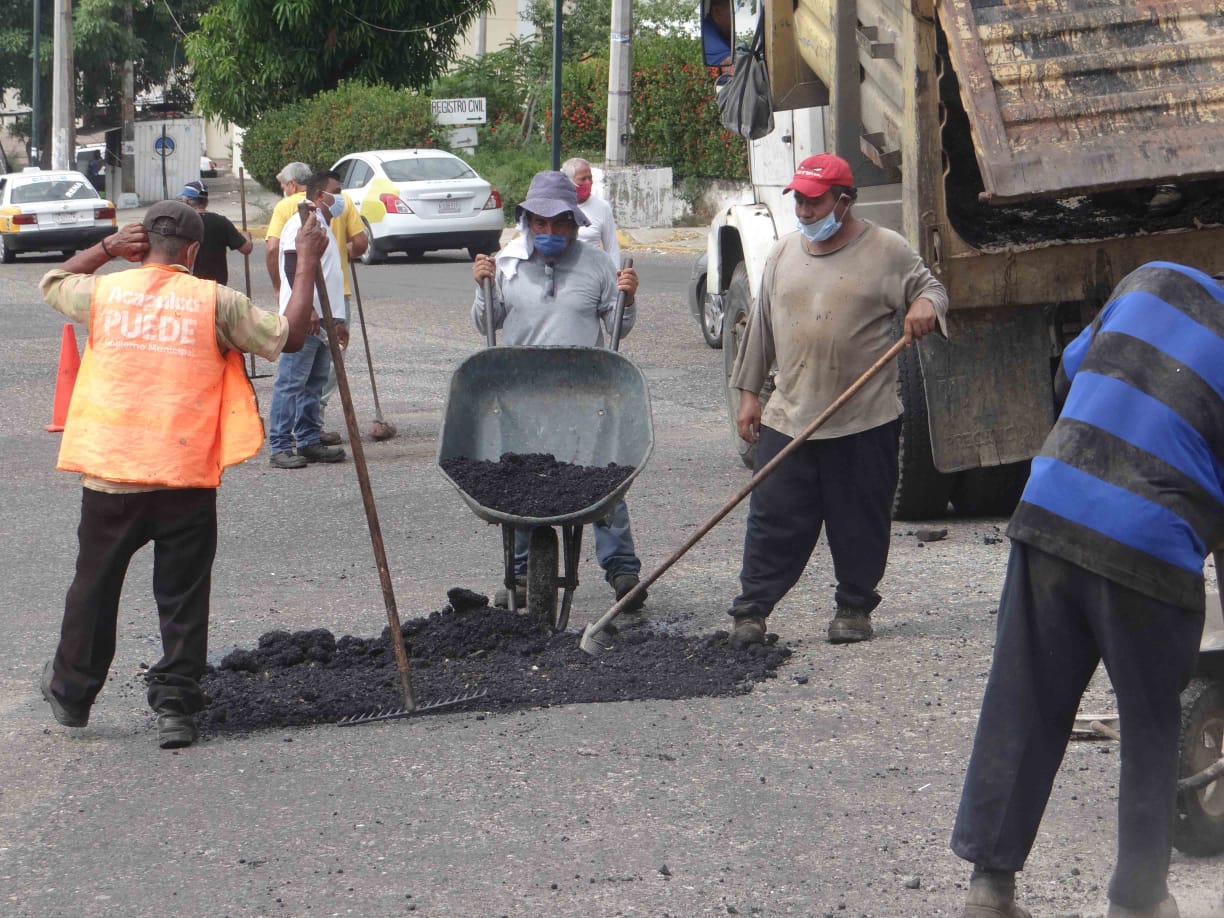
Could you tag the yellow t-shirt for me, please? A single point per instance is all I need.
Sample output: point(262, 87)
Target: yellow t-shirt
point(343, 227)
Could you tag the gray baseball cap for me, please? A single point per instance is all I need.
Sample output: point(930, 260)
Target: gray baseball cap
point(551, 194)
point(174, 218)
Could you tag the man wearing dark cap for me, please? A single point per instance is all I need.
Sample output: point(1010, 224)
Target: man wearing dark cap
point(220, 235)
point(160, 407)
point(831, 296)
point(551, 289)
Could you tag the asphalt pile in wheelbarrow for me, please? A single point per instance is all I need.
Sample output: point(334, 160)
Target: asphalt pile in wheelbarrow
point(310, 677)
point(534, 484)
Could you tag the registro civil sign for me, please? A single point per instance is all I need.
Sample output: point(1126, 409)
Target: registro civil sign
point(459, 111)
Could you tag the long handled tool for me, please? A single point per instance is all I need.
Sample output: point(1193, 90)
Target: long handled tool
point(379, 429)
point(246, 262)
point(410, 706)
point(594, 640)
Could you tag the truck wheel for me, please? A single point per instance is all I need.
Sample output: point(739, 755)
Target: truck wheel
point(711, 315)
point(735, 325)
point(1199, 829)
point(922, 490)
point(542, 576)
point(989, 491)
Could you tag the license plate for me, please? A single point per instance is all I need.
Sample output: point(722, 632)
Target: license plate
point(66, 218)
point(448, 207)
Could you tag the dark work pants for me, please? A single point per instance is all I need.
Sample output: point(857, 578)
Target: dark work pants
point(1056, 622)
point(182, 525)
point(846, 485)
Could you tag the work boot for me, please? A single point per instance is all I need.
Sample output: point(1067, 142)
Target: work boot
point(849, 626)
point(1166, 200)
point(622, 584)
point(749, 629)
point(992, 894)
point(317, 452)
point(176, 730)
point(1165, 909)
point(329, 438)
point(287, 460)
point(70, 715)
point(501, 598)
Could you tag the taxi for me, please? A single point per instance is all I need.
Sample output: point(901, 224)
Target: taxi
point(48, 211)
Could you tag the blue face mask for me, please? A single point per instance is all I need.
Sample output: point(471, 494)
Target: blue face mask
point(550, 244)
point(336, 208)
point(822, 229)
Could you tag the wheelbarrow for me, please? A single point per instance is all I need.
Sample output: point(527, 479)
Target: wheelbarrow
point(584, 405)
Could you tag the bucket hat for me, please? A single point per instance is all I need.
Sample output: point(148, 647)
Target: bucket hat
point(551, 194)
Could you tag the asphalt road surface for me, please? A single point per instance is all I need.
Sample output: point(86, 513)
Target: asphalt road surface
point(828, 791)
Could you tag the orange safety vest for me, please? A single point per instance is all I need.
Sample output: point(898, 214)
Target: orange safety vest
point(155, 402)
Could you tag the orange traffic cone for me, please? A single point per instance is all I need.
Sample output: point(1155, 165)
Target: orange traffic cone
point(65, 379)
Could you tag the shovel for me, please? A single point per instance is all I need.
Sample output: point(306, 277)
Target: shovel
point(594, 640)
point(379, 429)
point(410, 706)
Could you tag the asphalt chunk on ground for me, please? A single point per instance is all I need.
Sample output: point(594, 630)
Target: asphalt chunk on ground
point(311, 677)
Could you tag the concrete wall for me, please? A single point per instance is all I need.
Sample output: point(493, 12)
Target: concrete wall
point(639, 195)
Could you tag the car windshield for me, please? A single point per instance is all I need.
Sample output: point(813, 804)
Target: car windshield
point(427, 169)
point(53, 190)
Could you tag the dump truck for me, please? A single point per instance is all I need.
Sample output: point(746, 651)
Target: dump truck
point(1032, 151)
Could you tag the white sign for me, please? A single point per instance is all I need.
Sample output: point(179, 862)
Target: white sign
point(463, 138)
point(459, 111)
point(129, 148)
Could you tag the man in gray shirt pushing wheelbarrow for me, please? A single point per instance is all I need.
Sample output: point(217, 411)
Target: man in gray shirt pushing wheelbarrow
point(551, 289)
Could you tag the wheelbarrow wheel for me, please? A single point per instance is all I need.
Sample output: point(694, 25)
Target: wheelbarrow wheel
point(542, 576)
point(1199, 829)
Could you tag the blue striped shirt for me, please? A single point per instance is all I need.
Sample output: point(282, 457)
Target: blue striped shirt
point(1130, 481)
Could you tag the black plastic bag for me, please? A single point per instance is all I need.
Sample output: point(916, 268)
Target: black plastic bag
point(744, 102)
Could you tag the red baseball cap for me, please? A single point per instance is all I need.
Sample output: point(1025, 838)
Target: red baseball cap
point(817, 174)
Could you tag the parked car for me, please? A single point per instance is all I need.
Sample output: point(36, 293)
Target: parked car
point(45, 211)
point(707, 308)
point(418, 200)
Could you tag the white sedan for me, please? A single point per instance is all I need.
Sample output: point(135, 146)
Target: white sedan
point(45, 211)
point(417, 200)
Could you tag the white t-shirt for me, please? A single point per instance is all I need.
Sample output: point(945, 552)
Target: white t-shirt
point(333, 274)
point(602, 232)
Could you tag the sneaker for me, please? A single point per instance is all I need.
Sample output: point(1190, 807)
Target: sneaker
point(501, 598)
point(287, 460)
point(317, 452)
point(329, 438)
point(992, 895)
point(849, 626)
point(622, 584)
point(70, 715)
point(1166, 200)
point(174, 730)
point(1165, 909)
point(749, 629)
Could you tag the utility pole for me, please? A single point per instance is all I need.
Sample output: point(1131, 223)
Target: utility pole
point(482, 35)
point(556, 87)
point(63, 90)
point(620, 81)
point(127, 191)
point(35, 100)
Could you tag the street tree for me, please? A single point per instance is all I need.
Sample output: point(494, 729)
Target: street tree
point(252, 56)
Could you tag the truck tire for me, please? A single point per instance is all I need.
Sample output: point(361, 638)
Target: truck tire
point(735, 323)
point(711, 316)
point(1199, 829)
point(922, 490)
point(989, 491)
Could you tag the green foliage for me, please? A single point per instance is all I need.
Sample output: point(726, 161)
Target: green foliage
point(348, 119)
point(674, 116)
point(253, 56)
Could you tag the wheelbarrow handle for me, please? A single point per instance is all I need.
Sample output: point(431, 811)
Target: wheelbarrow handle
point(486, 287)
point(619, 313)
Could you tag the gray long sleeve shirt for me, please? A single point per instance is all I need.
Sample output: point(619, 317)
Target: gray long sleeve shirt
point(571, 303)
